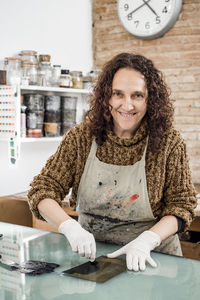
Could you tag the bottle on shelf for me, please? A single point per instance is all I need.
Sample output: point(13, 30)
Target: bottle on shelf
point(23, 121)
point(56, 72)
point(13, 71)
point(44, 74)
point(77, 79)
point(52, 116)
point(65, 80)
point(29, 73)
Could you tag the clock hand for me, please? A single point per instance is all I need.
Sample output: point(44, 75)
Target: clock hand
point(146, 2)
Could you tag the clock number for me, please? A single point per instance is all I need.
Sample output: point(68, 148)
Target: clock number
point(136, 23)
point(147, 25)
point(126, 6)
point(129, 17)
point(165, 9)
point(157, 20)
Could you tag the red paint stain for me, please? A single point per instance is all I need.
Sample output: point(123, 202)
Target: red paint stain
point(134, 197)
point(131, 199)
point(108, 194)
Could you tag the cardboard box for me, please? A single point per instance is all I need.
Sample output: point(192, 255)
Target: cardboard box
point(14, 209)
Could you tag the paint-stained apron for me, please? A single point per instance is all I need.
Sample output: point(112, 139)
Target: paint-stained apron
point(113, 202)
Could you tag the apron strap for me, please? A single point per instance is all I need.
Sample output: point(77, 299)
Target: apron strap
point(145, 150)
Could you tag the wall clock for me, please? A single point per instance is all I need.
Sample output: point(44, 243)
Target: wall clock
point(148, 19)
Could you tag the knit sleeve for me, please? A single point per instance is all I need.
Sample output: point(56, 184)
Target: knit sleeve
point(179, 194)
point(55, 179)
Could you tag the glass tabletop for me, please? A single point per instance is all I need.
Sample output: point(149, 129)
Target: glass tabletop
point(174, 278)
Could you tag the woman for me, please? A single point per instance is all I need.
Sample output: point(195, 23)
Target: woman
point(127, 167)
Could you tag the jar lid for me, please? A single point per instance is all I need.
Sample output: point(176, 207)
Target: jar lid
point(44, 58)
point(64, 71)
point(28, 52)
point(28, 63)
point(13, 59)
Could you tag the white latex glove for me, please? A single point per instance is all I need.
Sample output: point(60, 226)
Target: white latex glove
point(81, 240)
point(138, 251)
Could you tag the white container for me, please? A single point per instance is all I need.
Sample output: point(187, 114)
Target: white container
point(13, 69)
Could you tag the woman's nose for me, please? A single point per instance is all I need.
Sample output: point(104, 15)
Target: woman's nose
point(128, 103)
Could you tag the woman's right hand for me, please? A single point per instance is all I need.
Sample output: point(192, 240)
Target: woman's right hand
point(81, 240)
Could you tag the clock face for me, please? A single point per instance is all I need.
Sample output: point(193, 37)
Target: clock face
point(148, 19)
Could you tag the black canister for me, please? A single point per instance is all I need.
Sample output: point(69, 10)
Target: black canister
point(68, 115)
point(52, 116)
point(52, 103)
point(69, 102)
point(34, 119)
point(34, 102)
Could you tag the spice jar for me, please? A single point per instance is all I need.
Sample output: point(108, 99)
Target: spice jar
point(65, 79)
point(77, 79)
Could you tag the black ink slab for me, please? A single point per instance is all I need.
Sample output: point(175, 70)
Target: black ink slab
point(101, 270)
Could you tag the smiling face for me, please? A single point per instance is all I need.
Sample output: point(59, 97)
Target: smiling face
point(128, 101)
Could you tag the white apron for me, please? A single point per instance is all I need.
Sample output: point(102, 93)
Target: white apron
point(113, 202)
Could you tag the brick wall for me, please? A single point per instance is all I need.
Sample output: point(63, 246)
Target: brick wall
point(177, 54)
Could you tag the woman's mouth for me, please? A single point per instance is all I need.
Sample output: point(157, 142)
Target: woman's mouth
point(127, 115)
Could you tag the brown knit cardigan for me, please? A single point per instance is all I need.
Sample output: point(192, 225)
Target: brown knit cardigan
point(169, 183)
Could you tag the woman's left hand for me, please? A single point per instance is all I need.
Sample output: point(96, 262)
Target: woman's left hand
point(138, 251)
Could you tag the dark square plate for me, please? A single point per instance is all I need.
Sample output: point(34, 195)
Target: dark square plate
point(101, 270)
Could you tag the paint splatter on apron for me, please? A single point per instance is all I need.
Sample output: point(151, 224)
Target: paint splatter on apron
point(113, 202)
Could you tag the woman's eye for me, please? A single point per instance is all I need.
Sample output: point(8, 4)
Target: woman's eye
point(118, 94)
point(139, 95)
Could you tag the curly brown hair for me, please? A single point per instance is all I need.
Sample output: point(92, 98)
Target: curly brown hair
point(160, 109)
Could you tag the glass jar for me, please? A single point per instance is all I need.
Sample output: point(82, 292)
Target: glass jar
point(45, 74)
point(44, 58)
point(94, 76)
point(28, 56)
point(56, 72)
point(65, 79)
point(13, 71)
point(29, 73)
point(77, 79)
point(87, 82)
